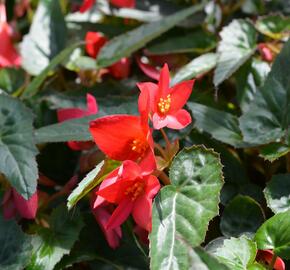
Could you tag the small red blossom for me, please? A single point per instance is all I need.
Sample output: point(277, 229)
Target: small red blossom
point(123, 3)
point(94, 42)
point(265, 52)
point(165, 103)
point(13, 203)
point(133, 191)
point(86, 5)
point(9, 57)
point(265, 256)
point(125, 137)
point(149, 70)
point(71, 113)
point(121, 69)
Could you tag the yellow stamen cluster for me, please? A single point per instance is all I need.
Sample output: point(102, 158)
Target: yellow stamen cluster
point(164, 104)
point(139, 146)
point(135, 190)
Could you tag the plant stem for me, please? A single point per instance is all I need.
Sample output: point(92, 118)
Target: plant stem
point(164, 178)
point(165, 137)
point(271, 266)
point(160, 149)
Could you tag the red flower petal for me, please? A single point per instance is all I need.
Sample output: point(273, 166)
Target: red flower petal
point(94, 42)
point(142, 212)
point(120, 214)
point(121, 69)
point(148, 91)
point(266, 257)
point(163, 83)
point(86, 5)
point(92, 106)
point(179, 120)
point(115, 134)
point(123, 3)
point(26, 208)
point(152, 187)
point(151, 71)
point(180, 93)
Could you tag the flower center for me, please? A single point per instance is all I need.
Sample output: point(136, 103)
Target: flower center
point(139, 146)
point(164, 104)
point(135, 190)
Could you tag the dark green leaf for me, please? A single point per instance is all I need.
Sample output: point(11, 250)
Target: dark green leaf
point(46, 38)
point(275, 234)
point(220, 125)
point(15, 246)
point(52, 243)
point(238, 43)
point(274, 151)
point(277, 193)
point(126, 44)
point(241, 215)
point(11, 79)
point(17, 148)
point(197, 66)
point(182, 211)
point(268, 117)
point(275, 26)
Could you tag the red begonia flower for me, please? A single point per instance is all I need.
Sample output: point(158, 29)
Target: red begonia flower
point(8, 54)
point(14, 203)
point(86, 5)
point(123, 3)
point(94, 42)
point(121, 69)
point(142, 235)
point(265, 256)
point(265, 52)
point(102, 214)
point(166, 102)
point(71, 113)
point(133, 191)
point(149, 70)
point(125, 137)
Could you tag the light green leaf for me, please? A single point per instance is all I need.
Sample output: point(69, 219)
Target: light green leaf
point(86, 185)
point(275, 26)
point(268, 117)
point(222, 126)
point(197, 66)
point(198, 42)
point(46, 37)
point(277, 193)
point(182, 211)
point(17, 148)
point(275, 234)
point(242, 215)
point(124, 45)
point(238, 43)
point(237, 253)
point(52, 243)
point(15, 246)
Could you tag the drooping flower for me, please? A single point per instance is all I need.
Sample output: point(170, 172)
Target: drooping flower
point(9, 57)
point(166, 102)
point(13, 203)
point(121, 69)
point(125, 137)
point(265, 257)
point(132, 190)
point(71, 113)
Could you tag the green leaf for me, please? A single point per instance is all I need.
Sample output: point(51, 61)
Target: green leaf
point(86, 185)
point(17, 148)
point(222, 126)
point(268, 117)
point(46, 37)
point(241, 215)
point(15, 246)
point(124, 45)
point(275, 234)
point(52, 243)
point(34, 86)
point(238, 43)
point(249, 78)
point(182, 211)
point(78, 129)
point(275, 26)
point(237, 253)
point(11, 79)
point(197, 66)
point(274, 151)
point(277, 193)
point(198, 42)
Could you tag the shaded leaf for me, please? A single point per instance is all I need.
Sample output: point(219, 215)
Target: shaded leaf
point(182, 211)
point(274, 151)
point(17, 149)
point(11, 79)
point(238, 43)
